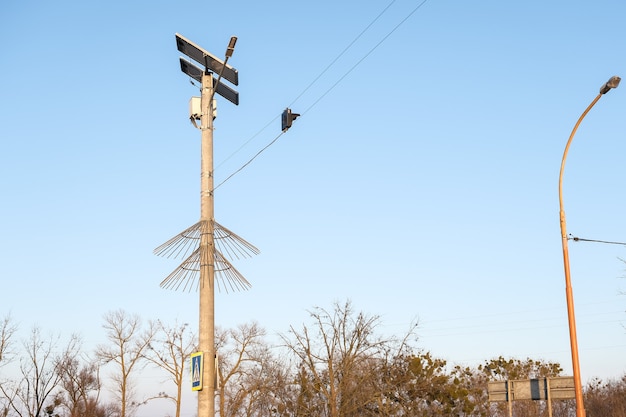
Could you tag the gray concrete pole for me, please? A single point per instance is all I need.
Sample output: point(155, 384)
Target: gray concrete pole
point(206, 335)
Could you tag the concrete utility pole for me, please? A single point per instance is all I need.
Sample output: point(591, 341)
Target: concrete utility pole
point(206, 265)
point(206, 396)
point(204, 381)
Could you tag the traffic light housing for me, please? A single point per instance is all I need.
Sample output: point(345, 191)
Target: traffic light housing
point(287, 119)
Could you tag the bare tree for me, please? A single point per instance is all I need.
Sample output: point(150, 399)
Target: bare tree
point(36, 391)
point(606, 398)
point(128, 344)
point(81, 385)
point(7, 330)
point(242, 357)
point(171, 349)
point(340, 358)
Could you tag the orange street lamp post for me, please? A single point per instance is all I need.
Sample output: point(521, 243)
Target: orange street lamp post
point(580, 408)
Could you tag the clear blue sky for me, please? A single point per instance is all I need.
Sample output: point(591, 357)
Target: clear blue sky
point(420, 181)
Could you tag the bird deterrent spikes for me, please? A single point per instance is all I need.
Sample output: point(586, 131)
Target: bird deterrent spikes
point(187, 244)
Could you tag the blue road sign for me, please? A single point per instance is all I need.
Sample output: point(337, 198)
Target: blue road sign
point(196, 371)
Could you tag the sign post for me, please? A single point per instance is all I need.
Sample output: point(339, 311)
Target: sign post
point(548, 389)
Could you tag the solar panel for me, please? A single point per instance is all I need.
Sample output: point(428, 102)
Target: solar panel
point(203, 57)
point(221, 89)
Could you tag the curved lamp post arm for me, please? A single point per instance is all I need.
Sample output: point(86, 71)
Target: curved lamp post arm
point(580, 408)
point(569, 142)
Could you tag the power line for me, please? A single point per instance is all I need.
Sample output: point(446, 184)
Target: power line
point(302, 93)
point(343, 52)
point(579, 239)
point(365, 56)
point(316, 79)
point(245, 143)
point(249, 161)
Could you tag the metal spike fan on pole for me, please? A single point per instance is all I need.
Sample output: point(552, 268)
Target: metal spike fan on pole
point(187, 244)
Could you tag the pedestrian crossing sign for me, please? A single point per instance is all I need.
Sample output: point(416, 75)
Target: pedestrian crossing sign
point(196, 371)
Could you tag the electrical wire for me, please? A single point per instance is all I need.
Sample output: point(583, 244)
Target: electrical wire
point(365, 56)
point(316, 79)
point(342, 52)
point(579, 239)
point(249, 161)
point(306, 88)
point(246, 143)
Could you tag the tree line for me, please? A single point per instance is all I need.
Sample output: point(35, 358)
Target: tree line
point(338, 365)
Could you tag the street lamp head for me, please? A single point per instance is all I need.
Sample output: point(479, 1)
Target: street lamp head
point(613, 82)
point(231, 47)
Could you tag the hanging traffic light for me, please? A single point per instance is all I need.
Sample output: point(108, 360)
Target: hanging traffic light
point(287, 119)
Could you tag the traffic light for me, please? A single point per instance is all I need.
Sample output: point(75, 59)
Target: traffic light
point(287, 119)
